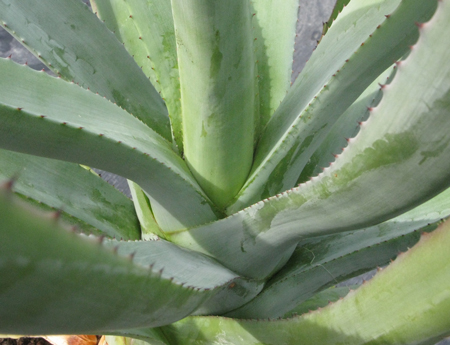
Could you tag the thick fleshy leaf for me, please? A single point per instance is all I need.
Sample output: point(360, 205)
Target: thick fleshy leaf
point(338, 7)
point(406, 303)
point(320, 262)
point(346, 127)
point(192, 269)
point(150, 229)
point(314, 267)
point(274, 24)
point(45, 116)
point(392, 165)
point(68, 38)
point(55, 282)
point(147, 31)
point(321, 299)
point(364, 43)
point(216, 64)
point(91, 204)
point(51, 277)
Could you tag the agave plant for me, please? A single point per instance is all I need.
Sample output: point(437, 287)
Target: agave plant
point(252, 198)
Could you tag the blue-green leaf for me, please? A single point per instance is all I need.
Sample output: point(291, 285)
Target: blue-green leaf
point(49, 117)
point(147, 32)
point(90, 203)
point(394, 164)
point(364, 43)
point(55, 281)
point(216, 64)
point(67, 37)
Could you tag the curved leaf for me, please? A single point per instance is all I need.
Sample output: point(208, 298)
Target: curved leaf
point(89, 202)
point(346, 127)
point(312, 268)
point(338, 7)
point(49, 117)
point(321, 300)
point(68, 38)
point(363, 45)
point(417, 283)
point(54, 281)
point(191, 269)
point(392, 165)
point(146, 29)
point(406, 303)
point(150, 229)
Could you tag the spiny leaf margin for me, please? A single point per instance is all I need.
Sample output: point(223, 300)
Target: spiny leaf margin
point(67, 37)
point(392, 165)
point(61, 120)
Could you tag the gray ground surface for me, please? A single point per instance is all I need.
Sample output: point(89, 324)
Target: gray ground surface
point(312, 14)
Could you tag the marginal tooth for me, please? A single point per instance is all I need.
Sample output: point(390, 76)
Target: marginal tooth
point(8, 184)
point(56, 215)
point(131, 256)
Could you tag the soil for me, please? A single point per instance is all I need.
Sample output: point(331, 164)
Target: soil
point(24, 341)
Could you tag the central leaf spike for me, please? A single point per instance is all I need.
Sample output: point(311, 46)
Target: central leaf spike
point(217, 77)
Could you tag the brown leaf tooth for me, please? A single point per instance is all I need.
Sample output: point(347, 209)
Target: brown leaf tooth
point(56, 215)
point(419, 25)
point(131, 256)
point(9, 184)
